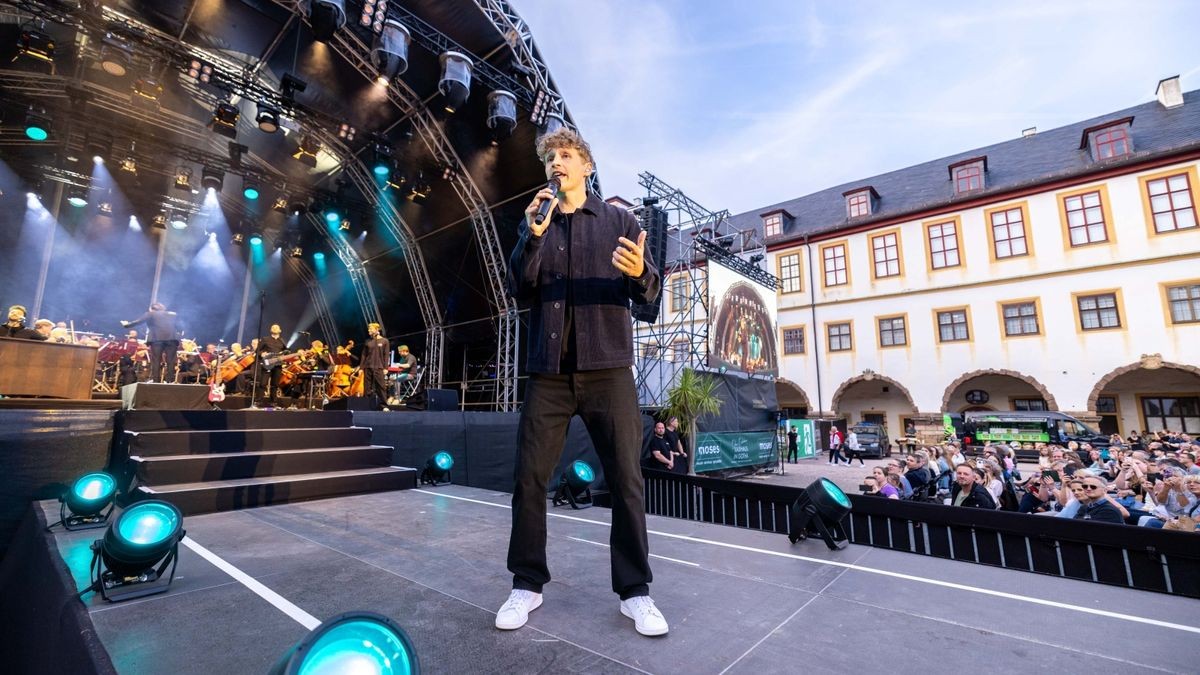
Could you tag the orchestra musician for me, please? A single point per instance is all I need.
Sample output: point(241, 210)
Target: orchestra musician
point(44, 327)
point(60, 333)
point(15, 327)
point(374, 363)
point(163, 341)
point(319, 357)
point(272, 345)
point(130, 351)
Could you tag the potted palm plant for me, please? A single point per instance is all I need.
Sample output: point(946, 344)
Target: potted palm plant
point(693, 395)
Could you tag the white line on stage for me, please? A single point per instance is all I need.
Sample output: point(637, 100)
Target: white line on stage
point(281, 603)
point(861, 568)
point(652, 555)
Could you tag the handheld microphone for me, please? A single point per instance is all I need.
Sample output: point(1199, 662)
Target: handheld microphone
point(544, 207)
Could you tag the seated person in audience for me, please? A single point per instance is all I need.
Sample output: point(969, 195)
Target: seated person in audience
point(1074, 488)
point(1187, 519)
point(967, 491)
point(1039, 494)
point(1188, 460)
point(917, 474)
point(878, 484)
point(895, 467)
point(1094, 502)
point(1172, 498)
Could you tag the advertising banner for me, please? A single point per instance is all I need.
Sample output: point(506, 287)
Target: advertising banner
point(727, 450)
point(806, 437)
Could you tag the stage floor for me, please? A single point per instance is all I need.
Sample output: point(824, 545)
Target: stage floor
point(737, 601)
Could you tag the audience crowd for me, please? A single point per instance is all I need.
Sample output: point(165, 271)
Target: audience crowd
point(1146, 480)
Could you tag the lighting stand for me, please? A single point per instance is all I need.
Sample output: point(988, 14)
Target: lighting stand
point(427, 478)
point(115, 588)
point(72, 522)
point(564, 495)
point(805, 519)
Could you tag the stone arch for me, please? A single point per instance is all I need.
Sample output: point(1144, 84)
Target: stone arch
point(1051, 403)
point(783, 382)
point(1147, 362)
point(870, 376)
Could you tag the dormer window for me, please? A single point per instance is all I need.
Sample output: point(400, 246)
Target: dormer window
point(968, 175)
point(774, 222)
point(1110, 140)
point(861, 202)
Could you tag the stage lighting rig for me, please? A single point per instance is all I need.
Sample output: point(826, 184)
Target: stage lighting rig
point(455, 82)
point(345, 225)
point(77, 196)
point(306, 151)
point(353, 642)
point(373, 15)
point(267, 117)
point(326, 17)
point(237, 239)
point(179, 221)
point(37, 126)
point(250, 188)
point(281, 204)
point(718, 254)
point(82, 505)
point(346, 132)
point(437, 469)
point(224, 119)
point(420, 190)
point(575, 486)
point(757, 258)
point(148, 88)
point(130, 561)
point(381, 159)
point(183, 178)
point(553, 123)
point(35, 44)
point(200, 71)
point(502, 114)
point(256, 239)
point(160, 220)
point(296, 251)
point(291, 85)
point(820, 509)
point(115, 55)
point(390, 53)
point(212, 178)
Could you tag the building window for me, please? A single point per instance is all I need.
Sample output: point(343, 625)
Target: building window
point(892, 332)
point(1097, 312)
point(835, 265)
point(858, 204)
point(1020, 318)
point(679, 293)
point(793, 340)
point(772, 225)
point(789, 272)
point(1184, 302)
point(943, 245)
point(1179, 414)
point(1029, 404)
point(967, 178)
point(1171, 203)
point(952, 326)
point(1008, 233)
point(1106, 405)
point(679, 350)
point(1112, 142)
point(839, 337)
point(650, 350)
point(1085, 219)
point(885, 250)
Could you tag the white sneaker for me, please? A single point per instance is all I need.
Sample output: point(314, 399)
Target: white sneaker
point(646, 617)
point(515, 611)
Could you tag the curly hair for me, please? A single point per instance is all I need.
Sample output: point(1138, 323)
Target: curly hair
point(563, 138)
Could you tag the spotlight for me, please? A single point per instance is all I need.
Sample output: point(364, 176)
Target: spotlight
point(397, 180)
point(331, 215)
point(306, 151)
point(290, 85)
point(81, 506)
point(381, 160)
point(183, 178)
point(115, 55)
point(820, 510)
point(37, 127)
point(237, 239)
point(148, 88)
point(502, 114)
point(346, 132)
point(553, 123)
point(249, 189)
point(373, 14)
point(77, 196)
point(139, 538)
point(296, 206)
point(267, 117)
point(134, 224)
point(390, 54)
point(36, 44)
point(420, 190)
point(326, 17)
point(179, 222)
point(281, 204)
point(200, 71)
point(98, 159)
point(437, 469)
point(318, 256)
point(224, 120)
point(296, 252)
point(159, 221)
point(105, 208)
point(256, 239)
point(757, 258)
point(353, 642)
point(575, 486)
point(212, 179)
point(129, 164)
point(455, 83)
point(345, 225)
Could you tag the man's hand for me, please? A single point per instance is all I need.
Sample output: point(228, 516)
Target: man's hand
point(531, 211)
point(629, 257)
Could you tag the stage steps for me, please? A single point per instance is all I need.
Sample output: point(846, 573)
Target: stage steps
point(211, 460)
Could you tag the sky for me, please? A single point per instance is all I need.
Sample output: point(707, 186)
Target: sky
point(742, 105)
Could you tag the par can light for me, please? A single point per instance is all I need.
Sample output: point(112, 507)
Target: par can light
point(820, 510)
point(437, 469)
point(575, 486)
point(130, 561)
point(353, 642)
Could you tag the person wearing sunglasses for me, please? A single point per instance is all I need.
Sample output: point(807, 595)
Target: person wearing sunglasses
point(1094, 502)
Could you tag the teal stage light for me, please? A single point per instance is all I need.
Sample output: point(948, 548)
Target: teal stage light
point(332, 216)
point(36, 130)
point(437, 469)
point(575, 486)
point(130, 561)
point(353, 642)
point(82, 505)
point(250, 191)
point(318, 256)
point(77, 197)
point(820, 510)
point(256, 239)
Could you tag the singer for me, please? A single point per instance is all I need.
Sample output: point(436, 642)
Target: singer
point(580, 359)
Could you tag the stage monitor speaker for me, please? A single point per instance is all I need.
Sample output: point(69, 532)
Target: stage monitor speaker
point(155, 396)
point(353, 403)
point(654, 221)
point(434, 399)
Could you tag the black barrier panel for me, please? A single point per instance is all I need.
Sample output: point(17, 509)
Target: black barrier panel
point(1121, 555)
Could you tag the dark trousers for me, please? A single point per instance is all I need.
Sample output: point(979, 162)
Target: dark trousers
point(375, 383)
point(606, 400)
point(793, 452)
point(272, 381)
point(159, 350)
point(835, 454)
